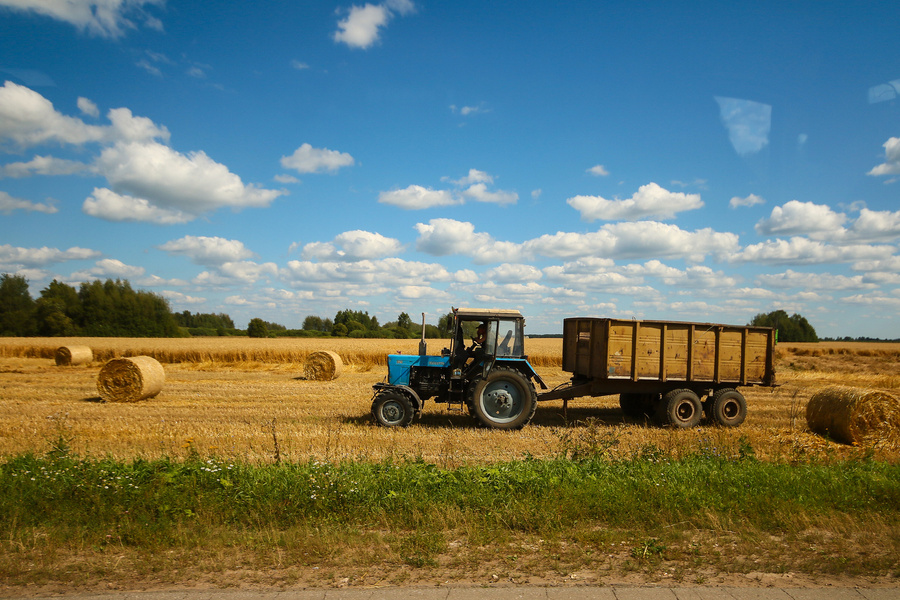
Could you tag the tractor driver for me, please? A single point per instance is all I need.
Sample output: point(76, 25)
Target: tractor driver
point(476, 350)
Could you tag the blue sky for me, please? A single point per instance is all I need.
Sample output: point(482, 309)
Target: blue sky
point(700, 161)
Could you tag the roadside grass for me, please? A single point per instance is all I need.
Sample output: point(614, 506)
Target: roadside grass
point(75, 521)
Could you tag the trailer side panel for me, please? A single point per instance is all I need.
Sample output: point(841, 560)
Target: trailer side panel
point(668, 351)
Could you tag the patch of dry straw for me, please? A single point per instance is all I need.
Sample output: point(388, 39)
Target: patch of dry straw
point(73, 355)
point(854, 415)
point(130, 379)
point(323, 366)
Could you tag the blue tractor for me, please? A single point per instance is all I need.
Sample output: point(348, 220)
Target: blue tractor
point(491, 378)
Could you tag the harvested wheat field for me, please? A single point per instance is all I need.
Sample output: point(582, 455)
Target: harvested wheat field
point(249, 399)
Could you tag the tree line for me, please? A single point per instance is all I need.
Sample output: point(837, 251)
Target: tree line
point(113, 308)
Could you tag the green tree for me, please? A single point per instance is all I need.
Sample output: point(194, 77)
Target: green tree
point(404, 321)
point(257, 328)
point(794, 328)
point(445, 325)
point(17, 307)
point(58, 310)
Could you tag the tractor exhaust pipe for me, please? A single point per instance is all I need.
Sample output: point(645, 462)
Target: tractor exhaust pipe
point(423, 347)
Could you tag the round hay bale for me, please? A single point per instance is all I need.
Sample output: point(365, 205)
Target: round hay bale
point(853, 415)
point(323, 366)
point(73, 355)
point(130, 379)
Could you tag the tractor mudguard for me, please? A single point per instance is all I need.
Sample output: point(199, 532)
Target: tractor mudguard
point(403, 389)
point(523, 366)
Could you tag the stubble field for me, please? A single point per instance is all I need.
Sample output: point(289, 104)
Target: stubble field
point(246, 399)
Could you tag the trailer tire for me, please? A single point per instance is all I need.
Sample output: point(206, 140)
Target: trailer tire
point(392, 409)
point(728, 407)
point(505, 399)
point(680, 408)
point(636, 406)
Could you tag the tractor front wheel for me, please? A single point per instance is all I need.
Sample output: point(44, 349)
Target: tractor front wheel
point(392, 409)
point(505, 399)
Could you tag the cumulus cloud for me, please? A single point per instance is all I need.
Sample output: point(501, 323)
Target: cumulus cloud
point(797, 217)
point(650, 200)
point(11, 256)
point(28, 119)
point(238, 272)
point(473, 186)
point(416, 197)
point(170, 186)
point(88, 107)
point(42, 165)
point(443, 237)
point(362, 26)
point(110, 206)
point(748, 124)
point(9, 204)
point(814, 281)
point(102, 18)
point(804, 251)
point(179, 298)
point(891, 164)
point(207, 251)
point(109, 268)
point(307, 159)
point(353, 246)
point(598, 171)
point(751, 200)
point(642, 239)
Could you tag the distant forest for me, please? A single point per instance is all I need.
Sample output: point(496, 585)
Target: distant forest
point(113, 308)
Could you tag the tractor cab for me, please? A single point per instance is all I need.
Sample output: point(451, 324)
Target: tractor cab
point(491, 334)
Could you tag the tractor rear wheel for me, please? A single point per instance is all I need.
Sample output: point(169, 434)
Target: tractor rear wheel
point(392, 409)
point(505, 399)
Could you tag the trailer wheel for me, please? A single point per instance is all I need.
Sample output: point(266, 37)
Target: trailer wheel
point(392, 409)
point(681, 408)
point(728, 407)
point(636, 406)
point(505, 399)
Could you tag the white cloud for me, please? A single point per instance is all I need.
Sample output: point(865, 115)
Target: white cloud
point(42, 165)
point(39, 257)
point(642, 239)
point(873, 226)
point(238, 272)
point(891, 164)
point(416, 197)
point(748, 124)
point(650, 200)
point(751, 200)
point(307, 159)
point(797, 217)
point(87, 107)
point(8, 204)
point(474, 176)
point(354, 246)
point(814, 281)
point(362, 26)
point(207, 251)
point(28, 119)
point(106, 204)
point(128, 128)
point(109, 268)
point(598, 171)
point(480, 193)
point(442, 237)
point(513, 273)
point(103, 18)
point(181, 299)
point(177, 185)
point(800, 250)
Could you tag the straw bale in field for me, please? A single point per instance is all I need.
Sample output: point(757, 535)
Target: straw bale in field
point(854, 415)
point(323, 366)
point(73, 355)
point(130, 379)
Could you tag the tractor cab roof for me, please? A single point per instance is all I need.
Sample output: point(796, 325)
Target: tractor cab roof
point(467, 314)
